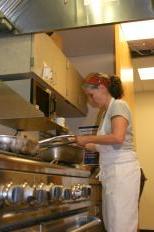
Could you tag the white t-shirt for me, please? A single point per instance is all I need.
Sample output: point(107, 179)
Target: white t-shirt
point(116, 107)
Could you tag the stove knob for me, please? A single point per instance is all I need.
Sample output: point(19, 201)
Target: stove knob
point(66, 194)
point(86, 191)
point(76, 192)
point(1, 192)
point(29, 193)
point(55, 192)
point(13, 194)
point(1, 195)
point(41, 194)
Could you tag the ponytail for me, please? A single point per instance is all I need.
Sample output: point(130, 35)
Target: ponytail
point(115, 88)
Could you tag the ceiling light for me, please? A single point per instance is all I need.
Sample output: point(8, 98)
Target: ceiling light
point(146, 73)
point(126, 74)
point(138, 30)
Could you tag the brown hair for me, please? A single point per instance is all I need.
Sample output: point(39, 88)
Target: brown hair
point(112, 83)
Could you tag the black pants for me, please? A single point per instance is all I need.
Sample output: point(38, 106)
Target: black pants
point(142, 182)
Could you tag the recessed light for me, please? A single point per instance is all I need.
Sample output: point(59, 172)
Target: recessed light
point(138, 30)
point(146, 73)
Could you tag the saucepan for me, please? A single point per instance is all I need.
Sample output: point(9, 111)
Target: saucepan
point(65, 152)
point(23, 145)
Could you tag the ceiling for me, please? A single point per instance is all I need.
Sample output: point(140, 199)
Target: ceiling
point(88, 41)
point(100, 40)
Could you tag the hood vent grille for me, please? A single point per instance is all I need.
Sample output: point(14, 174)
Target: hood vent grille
point(140, 48)
point(5, 25)
point(141, 53)
point(12, 9)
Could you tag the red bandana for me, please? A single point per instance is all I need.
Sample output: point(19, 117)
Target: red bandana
point(95, 80)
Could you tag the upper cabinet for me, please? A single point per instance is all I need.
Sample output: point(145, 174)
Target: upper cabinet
point(49, 62)
point(74, 91)
point(38, 57)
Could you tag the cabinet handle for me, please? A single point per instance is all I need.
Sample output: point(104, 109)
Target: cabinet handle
point(79, 100)
point(31, 61)
point(67, 92)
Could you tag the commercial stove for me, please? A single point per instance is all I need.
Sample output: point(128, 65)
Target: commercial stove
point(41, 196)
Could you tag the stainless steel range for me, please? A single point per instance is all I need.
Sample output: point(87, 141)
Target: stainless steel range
point(39, 196)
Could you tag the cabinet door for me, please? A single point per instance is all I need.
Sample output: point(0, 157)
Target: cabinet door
point(60, 71)
point(74, 92)
point(43, 53)
point(81, 97)
point(49, 62)
point(71, 84)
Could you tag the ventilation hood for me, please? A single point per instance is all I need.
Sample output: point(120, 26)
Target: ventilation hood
point(28, 16)
point(25, 115)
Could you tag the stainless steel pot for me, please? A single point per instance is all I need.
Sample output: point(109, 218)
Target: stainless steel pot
point(63, 152)
point(18, 144)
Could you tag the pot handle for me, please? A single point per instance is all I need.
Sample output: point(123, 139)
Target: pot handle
point(56, 138)
point(60, 144)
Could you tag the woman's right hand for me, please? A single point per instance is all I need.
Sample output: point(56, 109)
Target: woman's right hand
point(81, 141)
point(90, 147)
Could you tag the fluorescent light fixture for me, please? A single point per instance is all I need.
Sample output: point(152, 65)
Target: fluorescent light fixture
point(126, 75)
point(138, 30)
point(146, 73)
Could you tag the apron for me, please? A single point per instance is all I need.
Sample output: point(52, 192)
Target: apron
point(120, 179)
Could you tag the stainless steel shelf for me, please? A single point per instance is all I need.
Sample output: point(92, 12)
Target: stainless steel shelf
point(8, 162)
point(33, 124)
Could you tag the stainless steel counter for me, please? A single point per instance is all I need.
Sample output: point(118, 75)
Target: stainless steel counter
point(10, 162)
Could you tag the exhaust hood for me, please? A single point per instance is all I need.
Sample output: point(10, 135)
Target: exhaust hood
point(13, 104)
point(17, 112)
point(29, 16)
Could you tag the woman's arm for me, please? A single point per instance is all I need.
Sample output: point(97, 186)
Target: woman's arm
point(119, 126)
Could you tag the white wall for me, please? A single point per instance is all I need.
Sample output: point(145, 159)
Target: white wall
point(94, 63)
point(145, 150)
point(86, 64)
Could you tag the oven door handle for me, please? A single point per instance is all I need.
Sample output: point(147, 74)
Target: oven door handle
point(87, 226)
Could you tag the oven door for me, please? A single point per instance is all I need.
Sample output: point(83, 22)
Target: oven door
point(76, 223)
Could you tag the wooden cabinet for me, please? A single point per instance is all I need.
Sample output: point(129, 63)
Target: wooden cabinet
point(64, 78)
point(49, 62)
point(74, 92)
point(71, 83)
point(81, 98)
point(37, 56)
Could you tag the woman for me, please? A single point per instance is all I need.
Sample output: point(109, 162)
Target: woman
point(119, 167)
